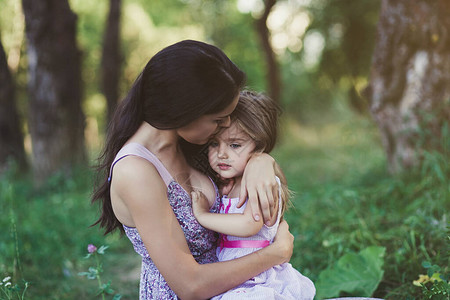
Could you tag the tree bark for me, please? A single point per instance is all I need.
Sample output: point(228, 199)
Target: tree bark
point(111, 58)
point(56, 120)
point(11, 136)
point(409, 89)
point(273, 72)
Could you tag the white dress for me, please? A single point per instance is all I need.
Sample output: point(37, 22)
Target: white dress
point(279, 282)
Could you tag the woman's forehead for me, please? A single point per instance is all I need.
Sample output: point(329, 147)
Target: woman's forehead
point(230, 108)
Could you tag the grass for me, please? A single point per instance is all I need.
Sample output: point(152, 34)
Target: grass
point(344, 202)
point(45, 237)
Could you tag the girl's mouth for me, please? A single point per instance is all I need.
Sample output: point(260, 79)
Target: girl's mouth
point(223, 166)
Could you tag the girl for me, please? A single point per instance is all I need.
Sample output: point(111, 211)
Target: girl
point(185, 93)
point(253, 129)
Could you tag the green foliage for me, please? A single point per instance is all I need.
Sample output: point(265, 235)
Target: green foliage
point(434, 285)
point(45, 234)
point(346, 26)
point(345, 201)
point(104, 289)
point(9, 291)
point(440, 290)
point(348, 29)
point(353, 273)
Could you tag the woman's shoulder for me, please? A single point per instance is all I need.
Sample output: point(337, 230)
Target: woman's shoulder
point(133, 169)
point(133, 180)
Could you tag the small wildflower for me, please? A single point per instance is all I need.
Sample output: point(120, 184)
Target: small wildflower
point(8, 284)
point(6, 279)
point(94, 272)
point(91, 248)
point(422, 280)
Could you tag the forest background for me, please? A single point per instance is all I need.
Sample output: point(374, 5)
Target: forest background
point(364, 87)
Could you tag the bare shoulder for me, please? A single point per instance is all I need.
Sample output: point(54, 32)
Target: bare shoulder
point(132, 168)
point(134, 179)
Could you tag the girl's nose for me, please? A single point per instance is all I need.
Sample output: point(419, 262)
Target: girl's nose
point(222, 151)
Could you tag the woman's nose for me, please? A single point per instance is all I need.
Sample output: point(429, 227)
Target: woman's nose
point(226, 123)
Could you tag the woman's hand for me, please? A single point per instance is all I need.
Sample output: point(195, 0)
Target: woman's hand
point(284, 242)
point(259, 185)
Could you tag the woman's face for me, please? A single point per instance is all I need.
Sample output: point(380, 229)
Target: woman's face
point(202, 129)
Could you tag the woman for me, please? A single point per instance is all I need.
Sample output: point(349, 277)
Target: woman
point(185, 93)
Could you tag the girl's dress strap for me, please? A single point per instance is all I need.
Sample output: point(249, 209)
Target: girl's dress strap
point(139, 150)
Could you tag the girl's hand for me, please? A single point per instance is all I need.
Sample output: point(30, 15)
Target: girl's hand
point(259, 185)
point(200, 203)
point(284, 242)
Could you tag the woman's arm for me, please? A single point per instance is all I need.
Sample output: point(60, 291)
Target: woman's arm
point(260, 187)
point(235, 224)
point(141, 188)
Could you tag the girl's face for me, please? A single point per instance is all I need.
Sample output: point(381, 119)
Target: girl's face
point(229, 152)
point(202, 129)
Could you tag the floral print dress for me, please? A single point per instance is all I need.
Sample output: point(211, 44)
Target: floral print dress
point(201, 241)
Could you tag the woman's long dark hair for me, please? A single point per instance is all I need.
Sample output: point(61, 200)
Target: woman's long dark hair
point(178, 85)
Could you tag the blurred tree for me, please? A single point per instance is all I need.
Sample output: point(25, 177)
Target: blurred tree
point(111, 58)
point(348, 29)
point(272, 69)
point(233, 32)
point(56, 120)
point(409, 90)
point(11, 136)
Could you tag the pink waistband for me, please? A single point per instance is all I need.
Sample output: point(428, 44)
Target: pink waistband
point(244, 244)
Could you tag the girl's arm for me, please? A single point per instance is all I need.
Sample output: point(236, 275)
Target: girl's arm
point(140, 187)
point(235, 224)
point(260, 187)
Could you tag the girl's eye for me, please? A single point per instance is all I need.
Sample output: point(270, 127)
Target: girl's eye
point(213, 144)
point(235, 146)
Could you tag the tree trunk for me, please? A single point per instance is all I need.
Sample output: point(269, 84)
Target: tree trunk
point(56, 120)
point(273, 72)
point(409, 89)
point(111, 58)
point(11, 136)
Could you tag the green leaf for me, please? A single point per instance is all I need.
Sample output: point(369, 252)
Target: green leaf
point(356, 274)
point(106, 288)
point(91, 276)
point(117, 297)
point(102, 249)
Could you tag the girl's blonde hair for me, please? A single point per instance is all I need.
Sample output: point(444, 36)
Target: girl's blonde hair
point(257, 115)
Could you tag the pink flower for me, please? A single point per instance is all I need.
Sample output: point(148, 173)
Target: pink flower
point(91, 248)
